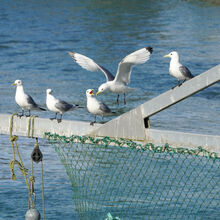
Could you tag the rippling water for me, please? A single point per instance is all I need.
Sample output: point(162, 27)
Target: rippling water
point(35, 37)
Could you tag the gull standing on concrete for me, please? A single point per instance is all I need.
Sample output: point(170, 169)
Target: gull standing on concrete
point(177, 70)
point(57, 105)
point(24, 100)
point(96, 107)
point(117, 84)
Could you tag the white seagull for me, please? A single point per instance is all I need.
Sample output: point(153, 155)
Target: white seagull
point(96, 107)
point(24, 100)
point(117, 84)
point(57, 105)
point(177, 70)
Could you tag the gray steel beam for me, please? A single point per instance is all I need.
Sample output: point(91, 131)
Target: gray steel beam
point(178, 94)
point(131, 124)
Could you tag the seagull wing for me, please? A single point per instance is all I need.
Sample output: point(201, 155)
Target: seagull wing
point(186, 72)
point(125, 66)
point(30, 101)
point(90, 65)
point(104, 108)
point(63, 106)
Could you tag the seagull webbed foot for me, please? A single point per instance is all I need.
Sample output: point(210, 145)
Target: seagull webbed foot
point(20, 115)
point(59, 120)
point(55, 117)
point(92, 123)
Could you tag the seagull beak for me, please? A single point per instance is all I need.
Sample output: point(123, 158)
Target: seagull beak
point(166, 55)
point(13, 84)
point(98, 92)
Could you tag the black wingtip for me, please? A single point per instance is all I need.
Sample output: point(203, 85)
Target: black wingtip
point(150, 49)
point(42, 109)
point(72, 54)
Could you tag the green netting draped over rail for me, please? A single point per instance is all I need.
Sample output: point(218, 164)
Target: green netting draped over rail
point(134, 181)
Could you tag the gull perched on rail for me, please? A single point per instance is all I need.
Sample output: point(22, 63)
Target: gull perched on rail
point(57, 105)
point(96, 107)
point(177, 70)
point(24, 100)
point(117, 84)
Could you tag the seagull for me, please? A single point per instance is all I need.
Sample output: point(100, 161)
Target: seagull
point(24, 100)
point(177, 70)
point(96, 107)
point(117, 84)
point(57, 105)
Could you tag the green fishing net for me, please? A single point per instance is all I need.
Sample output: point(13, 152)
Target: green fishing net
point(120, 179)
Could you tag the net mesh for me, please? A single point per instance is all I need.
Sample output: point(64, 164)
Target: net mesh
point(134, 181)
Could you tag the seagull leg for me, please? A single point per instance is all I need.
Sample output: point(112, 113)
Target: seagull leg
point(93, 122)
point(179, 83)
point(22, 114)
point(124, 99)
point(59, 120)
point(29, 113)
point(55, 117)
point(117, 102)
point(174, 86)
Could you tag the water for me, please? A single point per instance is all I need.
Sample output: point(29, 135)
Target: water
point(36, 36)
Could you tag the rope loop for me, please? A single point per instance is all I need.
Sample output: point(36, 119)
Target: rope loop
point(13, 138)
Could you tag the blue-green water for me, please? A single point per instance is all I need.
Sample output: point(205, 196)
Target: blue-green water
point(35, 37)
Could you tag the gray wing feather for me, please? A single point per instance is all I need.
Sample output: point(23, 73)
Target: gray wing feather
point(63, 106)
point(31, 101)
point(104, 108)
point(186, 72)
point(108, 75)
point(90, 65)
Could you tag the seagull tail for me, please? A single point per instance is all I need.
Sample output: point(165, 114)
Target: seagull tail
point(42, 109)
point(112, 113)
point(77, 106)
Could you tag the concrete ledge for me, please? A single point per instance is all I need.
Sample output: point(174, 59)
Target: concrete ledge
point(42, 125)
point(68, 128)
point(181, 139)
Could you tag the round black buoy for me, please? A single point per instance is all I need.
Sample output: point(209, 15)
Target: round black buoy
point(36, 154)
point(32, 214)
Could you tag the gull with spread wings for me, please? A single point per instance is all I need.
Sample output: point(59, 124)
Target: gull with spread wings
point(117, 84)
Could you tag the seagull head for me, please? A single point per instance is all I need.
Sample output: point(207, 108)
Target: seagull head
point(17, 82)
point(89, 92)
point(104, 87)
point(49, 91)
point(173, 55)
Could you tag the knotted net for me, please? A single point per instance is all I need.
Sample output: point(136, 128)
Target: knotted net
point(135, 181)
